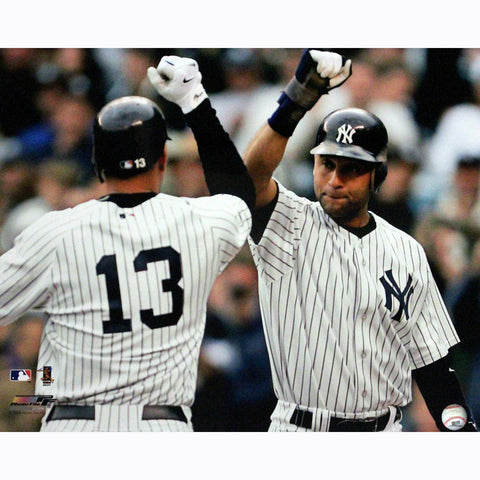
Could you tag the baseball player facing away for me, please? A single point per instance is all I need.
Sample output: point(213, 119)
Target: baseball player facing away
point(124, 279)
point(349, 305)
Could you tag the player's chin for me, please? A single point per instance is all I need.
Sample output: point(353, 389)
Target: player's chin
point(332, 204)
point(339, 209)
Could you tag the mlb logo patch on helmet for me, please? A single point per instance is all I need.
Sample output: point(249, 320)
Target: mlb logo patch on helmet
point(126, 165)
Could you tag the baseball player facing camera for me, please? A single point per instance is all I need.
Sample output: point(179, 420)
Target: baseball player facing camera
point(124, 280)
point(350, 308)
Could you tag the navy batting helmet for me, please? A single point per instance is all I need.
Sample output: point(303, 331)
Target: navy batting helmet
point(354, 133)
point(129, 137)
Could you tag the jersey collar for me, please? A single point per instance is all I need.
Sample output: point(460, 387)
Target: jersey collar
point(365, 230)
point(127, 200)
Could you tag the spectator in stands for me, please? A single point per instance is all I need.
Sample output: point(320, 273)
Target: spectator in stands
point(394, 200)
point(55, 179)
point(235, 391)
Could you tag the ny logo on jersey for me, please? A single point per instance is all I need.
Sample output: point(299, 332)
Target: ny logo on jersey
point(345, 134)
point(393, 290)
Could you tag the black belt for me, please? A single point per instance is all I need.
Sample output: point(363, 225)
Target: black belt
point(84, 412)
point(304, 419)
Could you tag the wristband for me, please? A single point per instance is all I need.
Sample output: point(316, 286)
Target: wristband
point(286, 117)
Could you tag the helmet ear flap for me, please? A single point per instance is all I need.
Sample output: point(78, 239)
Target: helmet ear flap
point(96, 168)
point(380, 173)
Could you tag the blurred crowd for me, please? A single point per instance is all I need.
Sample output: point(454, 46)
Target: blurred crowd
point(429, 100)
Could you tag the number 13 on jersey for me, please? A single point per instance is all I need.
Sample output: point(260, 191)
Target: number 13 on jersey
point(107, 266)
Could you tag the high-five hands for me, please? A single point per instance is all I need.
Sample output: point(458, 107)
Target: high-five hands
point(317, 73)
point(332, 66)
point(178, 80)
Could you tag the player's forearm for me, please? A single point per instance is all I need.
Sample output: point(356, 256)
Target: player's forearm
point(223, 166)
point(439, 386)
point(262, 157)
point(317, 73)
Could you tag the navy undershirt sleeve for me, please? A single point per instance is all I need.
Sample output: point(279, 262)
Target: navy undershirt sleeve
point(260, 219)
point(223, 166)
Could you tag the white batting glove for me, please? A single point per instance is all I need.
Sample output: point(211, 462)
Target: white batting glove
point(178, 80)
point(330, 65)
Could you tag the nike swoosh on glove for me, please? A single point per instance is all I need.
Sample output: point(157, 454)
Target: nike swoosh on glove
point(178, 80)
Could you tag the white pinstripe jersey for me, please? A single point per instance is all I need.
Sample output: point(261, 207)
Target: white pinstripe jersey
point(125, 292)
point(346, 318)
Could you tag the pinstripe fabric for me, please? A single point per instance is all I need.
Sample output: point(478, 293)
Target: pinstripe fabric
point(335, 338)
point(53, 267)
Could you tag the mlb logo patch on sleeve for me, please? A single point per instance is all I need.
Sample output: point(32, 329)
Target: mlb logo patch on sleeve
point(20, 375)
